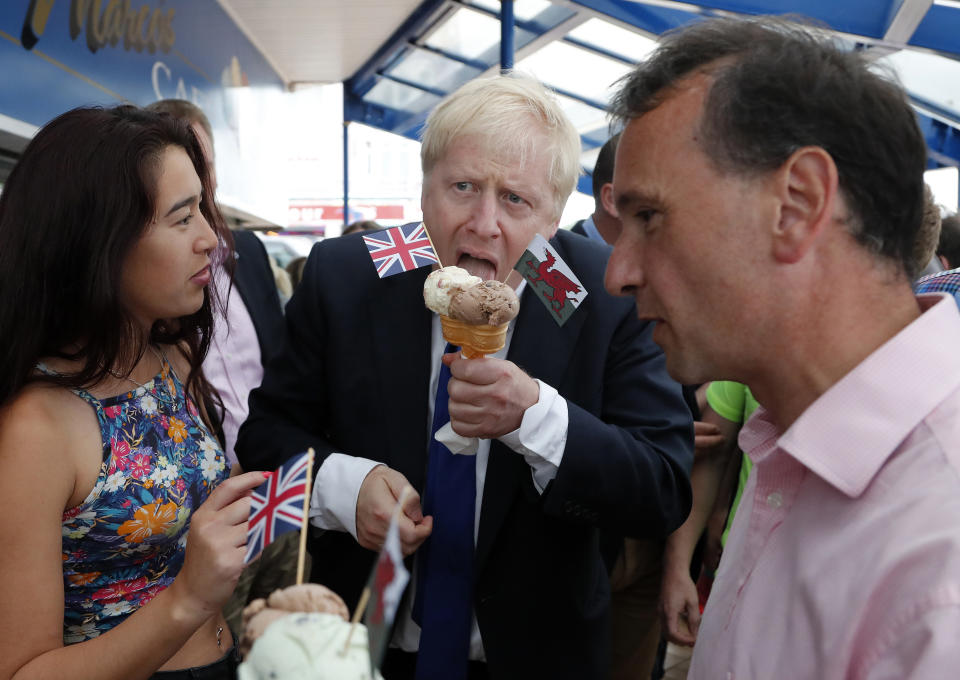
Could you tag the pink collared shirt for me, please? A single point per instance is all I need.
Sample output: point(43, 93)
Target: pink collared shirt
point(233, 364)
point(844, 559)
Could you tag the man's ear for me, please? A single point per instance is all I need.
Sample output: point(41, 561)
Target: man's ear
point(551, 230)
point(606, 199)
point(807, 186)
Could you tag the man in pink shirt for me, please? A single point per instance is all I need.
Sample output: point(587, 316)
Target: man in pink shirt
point(770, 187)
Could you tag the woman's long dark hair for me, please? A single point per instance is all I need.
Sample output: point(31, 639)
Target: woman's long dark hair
point(79, 199)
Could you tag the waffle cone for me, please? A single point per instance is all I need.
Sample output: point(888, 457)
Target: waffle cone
point(474, 340)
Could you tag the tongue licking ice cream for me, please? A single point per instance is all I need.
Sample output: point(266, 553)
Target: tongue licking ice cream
point(299, 633)
point(474, 314)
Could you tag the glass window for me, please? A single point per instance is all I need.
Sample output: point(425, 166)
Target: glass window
point(402, 97)
point(584, 117)
point(928, 76)
point(606, 36)
point(575, 70)
point(525, 10)
point(588, 159)
point(473, 35)
point(467, 34)
point(433, 70)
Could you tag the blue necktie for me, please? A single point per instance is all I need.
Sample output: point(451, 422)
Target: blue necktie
point(444, 598)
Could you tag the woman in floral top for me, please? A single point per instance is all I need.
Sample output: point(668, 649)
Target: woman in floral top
point(107, 228)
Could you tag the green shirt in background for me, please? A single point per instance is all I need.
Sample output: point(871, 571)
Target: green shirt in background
point(734, 402)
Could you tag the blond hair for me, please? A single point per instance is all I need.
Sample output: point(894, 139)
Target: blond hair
point(500, 111)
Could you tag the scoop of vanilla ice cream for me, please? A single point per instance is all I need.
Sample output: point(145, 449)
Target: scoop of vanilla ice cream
point(443, 284)
point(260, 614)
point(309, 647)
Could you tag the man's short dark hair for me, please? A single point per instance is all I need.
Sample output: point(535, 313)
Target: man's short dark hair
point(603, 169)
point(777, 87)
point(949, 246)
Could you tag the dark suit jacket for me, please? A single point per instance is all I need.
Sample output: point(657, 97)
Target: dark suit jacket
point(353, 378)
point(254, 281)
point(577, 228)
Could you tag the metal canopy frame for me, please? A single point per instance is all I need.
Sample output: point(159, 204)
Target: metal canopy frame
point(883, 27)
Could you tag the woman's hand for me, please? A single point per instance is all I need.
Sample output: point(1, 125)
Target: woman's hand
point(216, 545)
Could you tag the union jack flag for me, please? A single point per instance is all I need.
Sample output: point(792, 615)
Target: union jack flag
point(400, 249)
point(277, 505)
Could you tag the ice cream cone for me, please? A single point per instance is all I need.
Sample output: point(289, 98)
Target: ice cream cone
point(474, 340)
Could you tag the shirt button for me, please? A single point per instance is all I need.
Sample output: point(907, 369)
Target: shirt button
point(775, 500)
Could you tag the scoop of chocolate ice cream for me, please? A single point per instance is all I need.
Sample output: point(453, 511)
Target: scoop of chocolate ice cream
point(488, 302)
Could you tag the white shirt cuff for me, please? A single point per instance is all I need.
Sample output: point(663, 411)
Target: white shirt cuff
point(542, 435)
point(333, 503)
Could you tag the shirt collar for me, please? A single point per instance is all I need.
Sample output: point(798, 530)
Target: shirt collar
point(847, 434)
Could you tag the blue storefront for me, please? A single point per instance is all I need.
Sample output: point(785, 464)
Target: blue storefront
point(59, 54)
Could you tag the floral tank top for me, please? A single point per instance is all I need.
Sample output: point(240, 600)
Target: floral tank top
point(126, 541)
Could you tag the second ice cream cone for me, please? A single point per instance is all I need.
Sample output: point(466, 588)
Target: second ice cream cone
point(474, 340)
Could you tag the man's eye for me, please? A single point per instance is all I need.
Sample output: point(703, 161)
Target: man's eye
point(645, 218)
point(513, 198)
point(463, 186)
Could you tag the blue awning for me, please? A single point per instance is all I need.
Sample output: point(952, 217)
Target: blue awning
point(445, 43)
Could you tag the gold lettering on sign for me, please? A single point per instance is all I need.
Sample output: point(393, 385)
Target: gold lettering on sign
point(35, 22)
point(106, 23)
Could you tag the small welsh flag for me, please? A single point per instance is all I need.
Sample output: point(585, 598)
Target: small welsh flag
point(386, 585)
point(553, 281)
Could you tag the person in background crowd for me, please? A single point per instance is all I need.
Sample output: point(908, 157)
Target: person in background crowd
point(107, 457)
point(295, 270)
point(579, 426)
point(948, 249)
point(603, 224)
point(635, 566)
point(728, 406)
point(928, 237)
point(770, 186)
point(245, 336)
point(362, 225)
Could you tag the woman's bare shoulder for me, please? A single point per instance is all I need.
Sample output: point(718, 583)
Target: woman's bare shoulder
point(39, 406)
point(38, 429)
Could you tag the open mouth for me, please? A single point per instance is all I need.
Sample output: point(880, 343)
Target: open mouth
point(477, 266)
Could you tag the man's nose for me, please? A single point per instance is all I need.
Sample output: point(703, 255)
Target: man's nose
point(624, 275)
point(486, 216)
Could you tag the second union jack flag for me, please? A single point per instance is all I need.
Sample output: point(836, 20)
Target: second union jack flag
point(400, 249)
point(277, 505)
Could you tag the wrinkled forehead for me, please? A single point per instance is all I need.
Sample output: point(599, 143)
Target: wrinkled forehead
point(495, 156)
